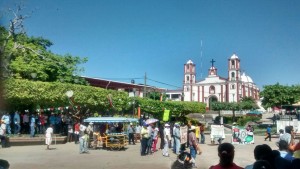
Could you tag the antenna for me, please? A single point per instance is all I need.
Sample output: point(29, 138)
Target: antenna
point(201, 60)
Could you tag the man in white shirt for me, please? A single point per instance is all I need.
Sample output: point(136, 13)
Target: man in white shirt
point(2, 133)
point(7, 121)
point(167, 139)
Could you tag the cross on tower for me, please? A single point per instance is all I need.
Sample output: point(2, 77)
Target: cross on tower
point(212, 62)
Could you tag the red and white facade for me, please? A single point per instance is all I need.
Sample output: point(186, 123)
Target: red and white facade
point(215, 88)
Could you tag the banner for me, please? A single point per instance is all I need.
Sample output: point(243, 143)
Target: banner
point(281, 124)
point(217, 131)
point(183, 134)
point(166, 115)
point(242, 136)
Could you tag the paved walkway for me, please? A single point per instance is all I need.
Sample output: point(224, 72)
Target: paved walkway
point(66, 156)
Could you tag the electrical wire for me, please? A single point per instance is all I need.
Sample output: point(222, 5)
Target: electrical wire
point(163, 83)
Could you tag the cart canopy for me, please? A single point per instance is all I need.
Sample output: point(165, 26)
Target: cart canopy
point(110, 120)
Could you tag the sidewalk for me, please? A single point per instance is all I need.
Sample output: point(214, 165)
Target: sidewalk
point(66, 156)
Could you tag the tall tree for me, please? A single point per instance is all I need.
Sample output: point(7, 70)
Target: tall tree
point(30, 58)
point(278, 95)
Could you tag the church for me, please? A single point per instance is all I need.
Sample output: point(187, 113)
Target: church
point(215, 88)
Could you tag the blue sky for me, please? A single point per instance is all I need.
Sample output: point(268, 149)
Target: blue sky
point(123, 39)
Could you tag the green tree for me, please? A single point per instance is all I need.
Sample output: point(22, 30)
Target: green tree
point(248, 103)
point(278, 95)
point(24, 56)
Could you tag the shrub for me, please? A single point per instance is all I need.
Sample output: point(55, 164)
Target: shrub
point(244, 119)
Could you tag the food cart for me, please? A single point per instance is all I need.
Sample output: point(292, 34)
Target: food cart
point(113, 140)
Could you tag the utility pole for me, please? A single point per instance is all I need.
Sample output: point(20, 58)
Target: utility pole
point(145, 82)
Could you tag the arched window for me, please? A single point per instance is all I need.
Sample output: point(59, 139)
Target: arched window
point(232, 64)
point(233, 86)
point(187, 78)
point(212, 89)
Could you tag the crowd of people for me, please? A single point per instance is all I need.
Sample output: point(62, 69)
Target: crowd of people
point(265, 158)
point(170, 139)
point(286, 157)
point(35, 123)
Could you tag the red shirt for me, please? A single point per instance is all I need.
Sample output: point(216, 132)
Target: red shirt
point(42, 119)
point(233, 166)
point(76, 127)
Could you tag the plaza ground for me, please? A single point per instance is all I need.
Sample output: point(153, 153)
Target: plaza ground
point(66, 156)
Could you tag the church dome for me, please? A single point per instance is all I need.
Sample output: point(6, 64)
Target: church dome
point(189, 62)
point(246, 79)
point(234, 56)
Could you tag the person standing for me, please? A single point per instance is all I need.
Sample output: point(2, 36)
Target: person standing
point(150, 140)
point(202, 128)
point(90, 131)
point(138, 129)
point(17, 121)
point(48, 136)
point(82, 138)
point(274, 119)
point(7, 120)
point(70, 133)
point(268, 133)
point(177, 138)
point(2, 133)
point(25, 123)
point(76, 132)
point(145, 138)
point(58, 124)
point(167, 139)
point(173, 139)
point(130, 131)
point(193, 144)
point(32, 125)
point(42, 123)
point(155, 139)
point(52, 120)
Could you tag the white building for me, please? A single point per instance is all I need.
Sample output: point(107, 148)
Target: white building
point(215, 88)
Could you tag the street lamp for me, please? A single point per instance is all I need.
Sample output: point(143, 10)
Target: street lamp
point(69, 93)
point(133, 102)
point(33, 75)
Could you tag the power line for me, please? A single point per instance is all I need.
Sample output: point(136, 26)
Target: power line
point(122, 78)
point(136, 78)
point(163, 83)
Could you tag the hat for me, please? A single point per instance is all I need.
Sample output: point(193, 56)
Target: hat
point(167, 125)
point(130, 123)
point(192, 128)
point(176, 124)
point(91, 123)
point(145, 124)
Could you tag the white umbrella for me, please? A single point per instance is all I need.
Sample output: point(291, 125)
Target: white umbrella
point(149, 121)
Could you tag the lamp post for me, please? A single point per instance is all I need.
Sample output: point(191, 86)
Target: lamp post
point(69, 93)
point(133, 102)
point(33, 75)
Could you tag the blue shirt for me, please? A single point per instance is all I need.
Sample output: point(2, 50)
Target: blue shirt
point(32, 121)
point(269, 130)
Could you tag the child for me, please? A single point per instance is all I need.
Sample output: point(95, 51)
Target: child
point(48, 136)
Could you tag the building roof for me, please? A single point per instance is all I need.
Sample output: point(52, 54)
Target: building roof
point(115, 85)
point(246, 79)
point(189, 62)
point(234, 56)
